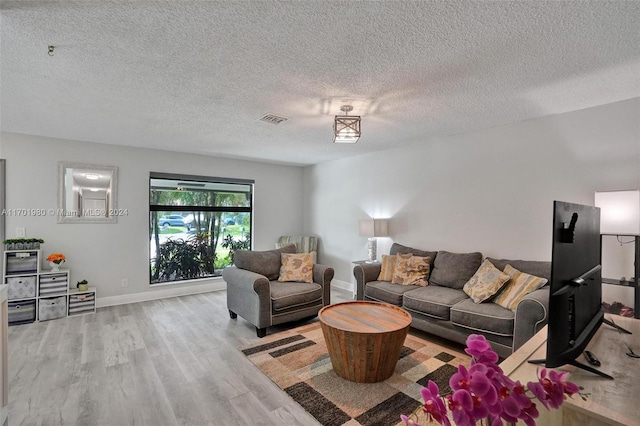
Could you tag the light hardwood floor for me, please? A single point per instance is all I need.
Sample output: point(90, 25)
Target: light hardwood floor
point(164, 362)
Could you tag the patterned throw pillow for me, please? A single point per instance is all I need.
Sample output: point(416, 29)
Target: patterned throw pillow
point(520, 285)
point(411, 270)
point(296, 267)
point(387, 268)
point(486, 282)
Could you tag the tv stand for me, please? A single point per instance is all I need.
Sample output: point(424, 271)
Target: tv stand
point(575, 364)
point(583, 366)
point(616, 326)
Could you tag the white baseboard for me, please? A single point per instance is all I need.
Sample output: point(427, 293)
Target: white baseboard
point(342, 285)
point(177, 290)
point(160, 293)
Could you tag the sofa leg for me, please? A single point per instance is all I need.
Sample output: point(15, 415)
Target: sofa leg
point(232, 314)
point(261, 332)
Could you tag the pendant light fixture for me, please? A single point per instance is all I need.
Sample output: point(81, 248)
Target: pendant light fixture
point(346, 128)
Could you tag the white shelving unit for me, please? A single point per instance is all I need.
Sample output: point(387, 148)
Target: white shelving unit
point(40, 295)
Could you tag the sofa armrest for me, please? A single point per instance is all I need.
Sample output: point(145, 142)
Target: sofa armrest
point(532, 313)
point(364, 273)
point(248, 295)
point(323, 275)
point(243, 280)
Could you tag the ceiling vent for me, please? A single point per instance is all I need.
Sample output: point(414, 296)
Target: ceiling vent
point(273, 119)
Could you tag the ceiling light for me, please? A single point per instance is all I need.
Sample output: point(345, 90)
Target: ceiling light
point(346, 129)
point(92, 176)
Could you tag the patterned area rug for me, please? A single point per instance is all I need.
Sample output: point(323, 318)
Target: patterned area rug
point(298, 362)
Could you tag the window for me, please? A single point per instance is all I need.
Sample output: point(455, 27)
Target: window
point(196, 223)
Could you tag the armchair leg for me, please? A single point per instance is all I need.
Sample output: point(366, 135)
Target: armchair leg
point(261, 332)
point(232, 314)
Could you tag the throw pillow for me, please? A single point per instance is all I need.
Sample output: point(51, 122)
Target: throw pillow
point(486, 282)
point(387, 268)
point(399, 248)
point(411, 270)
point(520, 285)
point(296, 267)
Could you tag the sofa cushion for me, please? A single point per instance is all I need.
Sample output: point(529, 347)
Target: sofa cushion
point(520, 285)
point(387, 267)
point(297, 267)
point(285, 295)
point(483, 317)
point(538, 268)
point(486, 282)
point(453, 270)
point(411, 270)
point(265, 263)
point(433, 301)
point(387, 292)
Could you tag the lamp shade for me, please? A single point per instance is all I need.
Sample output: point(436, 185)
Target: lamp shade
point(374, 228)
point(619, 212)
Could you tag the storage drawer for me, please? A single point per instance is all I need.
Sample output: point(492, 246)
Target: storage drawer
point(53, 284)
point(82, 303)
point(52, 308)
point(22, 312)
point(21, 287)
point(22, 263)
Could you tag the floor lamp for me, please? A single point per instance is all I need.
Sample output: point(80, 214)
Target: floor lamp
point(620, 216)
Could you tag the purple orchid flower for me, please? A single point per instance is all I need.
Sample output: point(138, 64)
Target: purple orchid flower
point(483, 391)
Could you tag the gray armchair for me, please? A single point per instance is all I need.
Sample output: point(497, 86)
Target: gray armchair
point(254, 292)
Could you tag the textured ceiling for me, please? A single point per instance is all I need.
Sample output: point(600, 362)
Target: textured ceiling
point(195, 76)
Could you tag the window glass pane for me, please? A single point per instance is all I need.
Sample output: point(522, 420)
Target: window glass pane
point(194, 232)
point(189, 193)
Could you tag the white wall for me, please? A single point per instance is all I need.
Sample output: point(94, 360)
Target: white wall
point(105, 253)
point(490, 191)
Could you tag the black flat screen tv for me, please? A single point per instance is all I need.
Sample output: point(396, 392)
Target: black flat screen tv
point(575, 301)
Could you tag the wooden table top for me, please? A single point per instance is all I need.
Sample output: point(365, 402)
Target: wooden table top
point(365, 317)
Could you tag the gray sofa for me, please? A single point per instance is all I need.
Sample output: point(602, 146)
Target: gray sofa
point(442, 308)
point(254, 292)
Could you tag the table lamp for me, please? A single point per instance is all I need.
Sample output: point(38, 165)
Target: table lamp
point(373, 228)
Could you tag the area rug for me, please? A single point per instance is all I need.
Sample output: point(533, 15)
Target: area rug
point(298, 362)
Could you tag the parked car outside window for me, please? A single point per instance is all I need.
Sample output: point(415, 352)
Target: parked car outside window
point(171, 220)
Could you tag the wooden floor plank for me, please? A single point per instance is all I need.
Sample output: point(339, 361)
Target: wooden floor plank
point(165, 362)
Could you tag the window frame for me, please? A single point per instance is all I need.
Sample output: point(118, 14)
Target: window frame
point(191, 208)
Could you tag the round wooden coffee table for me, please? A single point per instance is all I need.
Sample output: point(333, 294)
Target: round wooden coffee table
point(364, 339)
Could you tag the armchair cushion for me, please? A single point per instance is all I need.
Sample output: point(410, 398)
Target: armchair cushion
point(265, 263)
point(290, 295)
